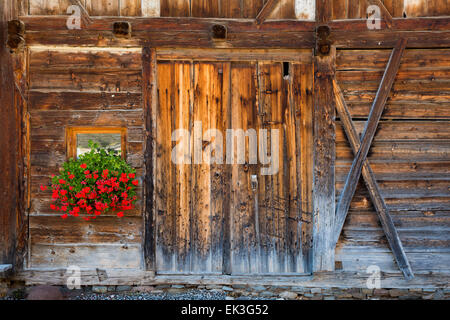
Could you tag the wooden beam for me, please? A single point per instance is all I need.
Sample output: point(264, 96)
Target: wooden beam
point(324, 161)
point(372, 186)
point(196, 33)
point(322, 280)
point(367, 136)
point(266, 11)
point(148, 92)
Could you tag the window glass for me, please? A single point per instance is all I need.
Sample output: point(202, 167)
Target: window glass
point(105, 140)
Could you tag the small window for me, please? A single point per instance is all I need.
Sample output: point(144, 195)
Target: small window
point(78, 139)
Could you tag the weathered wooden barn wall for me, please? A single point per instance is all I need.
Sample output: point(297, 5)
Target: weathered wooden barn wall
point(410, 157)
point(357, 9)
point(82, 87)
point(229, 218)
point(285, 9)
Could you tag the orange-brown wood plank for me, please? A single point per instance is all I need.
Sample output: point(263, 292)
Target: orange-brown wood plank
point(175, 8)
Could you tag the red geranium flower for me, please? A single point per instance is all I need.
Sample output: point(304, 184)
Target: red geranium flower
point(83, 166)
point(135, 182)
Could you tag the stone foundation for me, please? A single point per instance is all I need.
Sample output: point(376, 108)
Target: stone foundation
point(259, 291)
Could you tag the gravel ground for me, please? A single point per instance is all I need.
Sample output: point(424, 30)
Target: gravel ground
point(188, 294)
point(193, 294)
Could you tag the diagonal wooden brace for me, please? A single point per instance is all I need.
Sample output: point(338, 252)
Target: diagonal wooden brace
point(367, 137)
point(266, 10)
point(375, 194)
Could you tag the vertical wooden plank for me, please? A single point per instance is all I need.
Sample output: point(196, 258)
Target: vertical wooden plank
point(175, 8)
point(8, 142)
point(304, 112)
point(226, 171)
point(204, 76)
point(231, 9)
point(324, 163)
point(415, 8)
point(150, 8)
point(102, 7)
point(287, 9)
point(204, 8)
point(251, 8)
point(218, 170)
point(353, 9)
point(323, 11)
point(389, 4)
point(148, 97)
point(183, 182)
point(292, 175)
point(340, 9)
point(48, 7)
point(398, 8)
point(164, 185)
point(130, 8)
point(243, 116)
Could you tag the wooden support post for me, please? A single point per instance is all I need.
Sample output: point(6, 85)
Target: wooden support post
point(266, 11)
point(148, 92)
point(367, 137)
point(324, 161)
point(375, 194)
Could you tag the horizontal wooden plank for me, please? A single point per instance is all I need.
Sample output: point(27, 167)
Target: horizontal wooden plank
point(70, 58)
point(402, 130)
point(85, 80)
point(62, 118)
point(412, 109)
point(360, 258)
point(272, 55)
point(40, 205)
point(195, 32)
point(400, 150)
point(41, 100)
point(104, 229)
point(337, 279)
point(436, 74)
point(377, 59)
point(124, 256)
point(406, 188)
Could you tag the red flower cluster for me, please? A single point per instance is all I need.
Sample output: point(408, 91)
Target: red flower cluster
point(88, 193)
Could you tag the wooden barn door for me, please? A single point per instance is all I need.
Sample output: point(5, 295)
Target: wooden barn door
point(227, 217)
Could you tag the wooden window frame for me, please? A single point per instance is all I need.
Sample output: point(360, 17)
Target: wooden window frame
point(71, 138)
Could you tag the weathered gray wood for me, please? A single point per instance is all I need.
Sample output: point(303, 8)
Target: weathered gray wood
point(367, 137)
point(372, 186)
point(323, 280)
point(148, 93)
point(324, 161)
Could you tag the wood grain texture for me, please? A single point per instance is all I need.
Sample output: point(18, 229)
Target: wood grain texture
point(408, 158)
point(373, 188)
point(368, 134)
point(55, 108)
point(324, 162)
